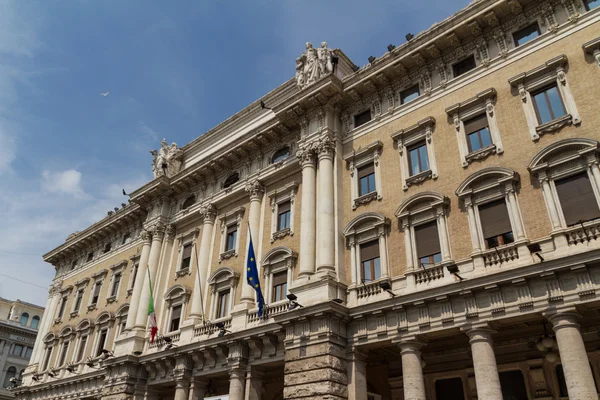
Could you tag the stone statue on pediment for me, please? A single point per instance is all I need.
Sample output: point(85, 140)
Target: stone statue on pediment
point(314, 64)
point(167, 160)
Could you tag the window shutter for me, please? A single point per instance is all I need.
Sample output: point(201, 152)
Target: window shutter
point(366, 170)
point(577, 198)
point(187, 251)
point(494, 218)
point(284, 207)
point(176, 314)
point(280, 278)
point(369, 251)
point(427, 239)
point(476, 124)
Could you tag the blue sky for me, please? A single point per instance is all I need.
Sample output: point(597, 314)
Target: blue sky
point(174, 69)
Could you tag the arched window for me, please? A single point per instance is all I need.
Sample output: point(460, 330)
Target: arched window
point(35, 322)
point(281, 154)
point(11, 372)
point(24, 319)
point(223, 284)
point(231, 179)
point(188, 202)
point(176, 300)
point(277, 267)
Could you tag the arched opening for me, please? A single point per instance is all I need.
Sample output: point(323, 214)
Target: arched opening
point(24, 319)
point(231, 179)
point(11, 372)
point(281, 154)
point(188, 202)
point(35, 322)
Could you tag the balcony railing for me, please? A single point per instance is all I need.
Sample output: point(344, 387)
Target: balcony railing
point(583, 233)
point(429, 274)
point(500, 255)
point(269, 311)
point(160, 341)
point(368, 289)
point(210, 328)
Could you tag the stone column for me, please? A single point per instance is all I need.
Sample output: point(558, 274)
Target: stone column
point(412, 371)
point(573, 356)
point(141, 320)
point(256, 191)
point(473, 226)
point(511, 199)
point(208, 213)
point(308, 212)
point(547, 192)
point(139, 280)
point(357, 375)
point(443, 235)
point(236, 383)
point(198, 389)
point(326, 151)
point(254, 384)
point(45, 324)
point(181, 389)
point(484, 364)
point(385, 269)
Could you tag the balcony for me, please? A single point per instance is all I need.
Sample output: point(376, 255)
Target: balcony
point(584, 233)
point(500, 255)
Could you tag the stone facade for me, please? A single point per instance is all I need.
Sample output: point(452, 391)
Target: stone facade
point(433, 217)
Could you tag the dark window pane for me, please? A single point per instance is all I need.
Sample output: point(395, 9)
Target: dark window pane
point(562, 384)
point(409, 94)
point(367, 184)
point(526, 34)
point(362, 118)
point(449, 389)
point(366, 268)
point(233, 178)
point(464, 66)
point(577, 198)
point(486, 138)
point(513, 385)
point(188, 202)
point(231, 237)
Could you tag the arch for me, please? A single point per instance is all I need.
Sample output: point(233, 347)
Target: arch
point(281, 154)
point(480, 179)
point(188, 202)
point(231, 179)
point(11, 372)
point(221, 274)
point(123, 310)
point(84, 324)
point(104, 317)
point(35, 322)
point(419, 202)
point(279, 252)
point(371, 218)
point(66, 331)
point(50, 337)
point(24, 319)
point(176, 291)
point(559, 151)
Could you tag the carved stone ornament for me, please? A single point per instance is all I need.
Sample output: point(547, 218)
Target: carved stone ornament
point(314, 64)
point(167, 160)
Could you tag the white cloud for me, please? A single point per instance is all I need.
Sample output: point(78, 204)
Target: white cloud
point(68, 181)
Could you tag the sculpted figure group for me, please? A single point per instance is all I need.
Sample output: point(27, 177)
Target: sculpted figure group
point(313, 64)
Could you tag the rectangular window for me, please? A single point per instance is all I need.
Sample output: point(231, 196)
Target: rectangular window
point(369, 261)
point(186, 257)
point(478, 133)
point(17, 350)
point(101, 341)
point(513, 385)
point(577, 199)
point(231, 238)
point(362, 118)
point(28, 352)
point(116, 283)
point(134, 274)
point(284, 215)
point(417, 158)
point(63, 305)
point(427, 240)
point(451, 388)
point(548, 104)
point(96, 293)
point(107, 247)
point(495, 224)
point(526, 34)
point(464, 66)
point(81, 351)
point(63, 354)
point(591, 4)
point(90, 256)
point(126, 238)
point(366, 179)
point(175, 318)
point(279, 286)
point(223, 304)
point(409, 94)
point(78, 300)
point(47, 358)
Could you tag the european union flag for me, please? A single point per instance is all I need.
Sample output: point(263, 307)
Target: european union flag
point(253, 280)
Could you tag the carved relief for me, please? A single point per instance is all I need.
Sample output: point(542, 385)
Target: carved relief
point(167, 160)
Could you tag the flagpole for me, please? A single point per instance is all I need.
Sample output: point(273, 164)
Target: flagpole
point(200, 286)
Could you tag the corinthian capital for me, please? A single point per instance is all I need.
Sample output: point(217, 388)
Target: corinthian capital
point(145, 235)
point(255, 189)
point(208, 212)
point(326, 146)
point(306, 154)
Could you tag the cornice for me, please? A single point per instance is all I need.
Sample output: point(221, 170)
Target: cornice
point(479, 97)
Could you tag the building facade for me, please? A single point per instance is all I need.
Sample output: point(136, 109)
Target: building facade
point(19, 322)
point(427, 227)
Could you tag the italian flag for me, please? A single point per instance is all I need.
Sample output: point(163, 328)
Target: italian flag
point(151, 313)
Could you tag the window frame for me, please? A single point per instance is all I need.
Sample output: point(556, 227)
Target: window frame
point(462, 60)
point(536, 106)
point(79, 286)
point(357, 159)
point(97, 279)
point(521, 29)
point(405, 139)
point(189, 238)
point(223, 311)
point(481, 103)
point(528, 83)
point(278, 260)
point(177, 295)
point(400, 94)
point(228, 220)
point(282, 160)
point(135, 265)
point(356, 115)
point(587, 6)
point(223, 279)
point(116, 270)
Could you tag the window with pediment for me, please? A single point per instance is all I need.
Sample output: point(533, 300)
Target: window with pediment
point(66, 336)
point(546, 97)
point(568, 174)
point(230, 230)
point(97, 282)
point(84, 331)
point(135, 265)
point(278, 265)
point(476, 127)
point(121, 318)
point(495, 221)
point(366, 236)
point(417, 158)
point(176, 300)
point(365, 174)
point(116, 276)
point(103, 326)
point(283, 210)
point(223, 284)
point(50, 341)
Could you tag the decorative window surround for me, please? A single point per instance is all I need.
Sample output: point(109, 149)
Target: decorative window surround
point(79, 285)
point(359, 158)
point(363, 229)
point(135, 264)
point(371, 102)
point(121, 317)
point(485, 186)
point(552, 71)
point(224, 278)
point(593, 48)
point(175, 296)
point(277, 260)
point(560, 160)
point(227, 220)
point(422, 130)
point(417, 210)
point(98, 277)
point(481, 103)
point(115, 269)
point(85, 328)
point(280, 196)
point(182, 241)
point(105, 321)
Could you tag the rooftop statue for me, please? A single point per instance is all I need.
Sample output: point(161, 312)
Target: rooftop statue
point(167, 160)
point(314, 64)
